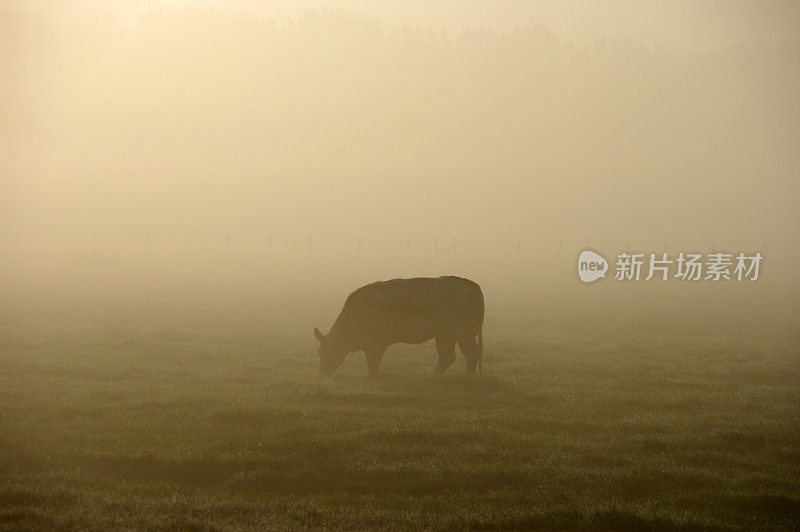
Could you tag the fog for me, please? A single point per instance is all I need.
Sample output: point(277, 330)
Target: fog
point(189, 188)
point(326, 135)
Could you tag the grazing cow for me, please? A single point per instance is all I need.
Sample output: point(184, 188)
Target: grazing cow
point(408, 311)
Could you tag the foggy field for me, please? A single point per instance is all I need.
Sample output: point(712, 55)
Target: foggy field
point(190, 188)
point(599, 407)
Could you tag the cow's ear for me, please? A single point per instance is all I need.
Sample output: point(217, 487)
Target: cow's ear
point(319, 335)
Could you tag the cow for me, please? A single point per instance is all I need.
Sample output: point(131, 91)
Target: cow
point(408, 311)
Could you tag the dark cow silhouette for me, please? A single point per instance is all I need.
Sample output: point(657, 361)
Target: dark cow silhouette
point(408, 311)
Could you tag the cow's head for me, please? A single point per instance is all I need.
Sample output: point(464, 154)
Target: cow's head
point(331, 354)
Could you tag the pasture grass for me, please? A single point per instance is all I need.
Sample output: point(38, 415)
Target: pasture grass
point(210, 415)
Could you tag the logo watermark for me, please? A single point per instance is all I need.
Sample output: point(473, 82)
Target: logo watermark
point(716, 266)
point(591, 266)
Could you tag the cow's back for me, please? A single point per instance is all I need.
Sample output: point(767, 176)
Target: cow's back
point(418, 309)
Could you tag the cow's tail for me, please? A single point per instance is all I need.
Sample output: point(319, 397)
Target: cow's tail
point(480, 349)
point(480, 335)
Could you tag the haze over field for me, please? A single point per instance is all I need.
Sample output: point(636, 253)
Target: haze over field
point(379, 120)
point(189, 188)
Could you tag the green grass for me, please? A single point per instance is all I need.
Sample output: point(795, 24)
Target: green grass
point(203, 414)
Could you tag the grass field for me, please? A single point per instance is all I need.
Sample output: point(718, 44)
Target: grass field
point(192, 411)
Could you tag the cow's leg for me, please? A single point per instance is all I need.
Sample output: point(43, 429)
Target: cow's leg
point(374, 356)
point(447, 353)
point(470, 348)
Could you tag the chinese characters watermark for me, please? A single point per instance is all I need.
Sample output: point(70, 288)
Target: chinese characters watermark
point(716, 266)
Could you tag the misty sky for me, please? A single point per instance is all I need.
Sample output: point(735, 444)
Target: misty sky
point(685, 23)
point(506, 120)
